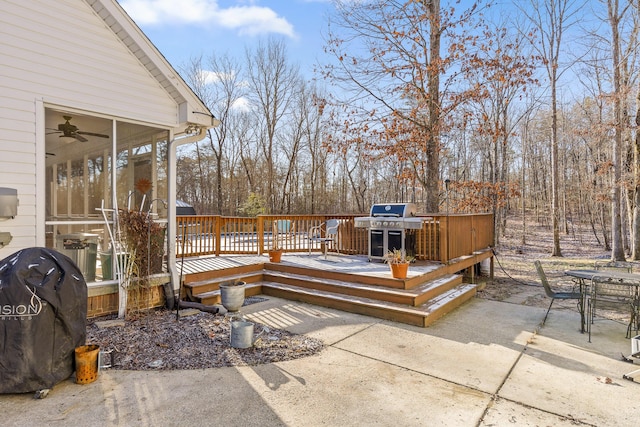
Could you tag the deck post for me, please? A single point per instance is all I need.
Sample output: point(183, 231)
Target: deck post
point(218, 227)
point(260, 231)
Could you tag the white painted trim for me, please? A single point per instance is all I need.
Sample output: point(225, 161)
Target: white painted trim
point(75, 110)
point(171, 213)
point(40, 169)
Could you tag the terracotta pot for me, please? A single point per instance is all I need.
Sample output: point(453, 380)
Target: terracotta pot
point(275, 256)
point(399, 271)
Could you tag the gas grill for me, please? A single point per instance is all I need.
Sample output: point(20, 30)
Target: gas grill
point(388, 224)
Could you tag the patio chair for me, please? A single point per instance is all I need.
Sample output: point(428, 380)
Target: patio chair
point(623, 266)
point(325, 233)
point(612, 294)
point(552, 294)
point(283, 231)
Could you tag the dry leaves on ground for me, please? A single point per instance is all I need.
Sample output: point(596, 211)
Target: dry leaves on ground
point(515, 274)
point(156, 340)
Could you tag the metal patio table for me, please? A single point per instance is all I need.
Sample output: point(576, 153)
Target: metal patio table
point(586, 279)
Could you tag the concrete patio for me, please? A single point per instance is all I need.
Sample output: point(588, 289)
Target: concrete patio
point(487, 363)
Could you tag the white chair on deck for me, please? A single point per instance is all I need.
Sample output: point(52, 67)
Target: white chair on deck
point(283, 233)
point(325, 233)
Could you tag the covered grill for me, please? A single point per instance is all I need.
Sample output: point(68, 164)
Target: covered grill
point(388, 224)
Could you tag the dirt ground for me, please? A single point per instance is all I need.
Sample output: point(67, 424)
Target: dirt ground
point(515, 278)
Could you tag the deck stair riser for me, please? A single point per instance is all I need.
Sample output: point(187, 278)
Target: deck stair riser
point(195, 289)
point(214, 274)
point(213, 297)
point(423, 315)
point(413, 297)
point(388, 282)
point(468, 261)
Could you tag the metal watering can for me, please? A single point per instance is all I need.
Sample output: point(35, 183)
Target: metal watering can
point(242, 333)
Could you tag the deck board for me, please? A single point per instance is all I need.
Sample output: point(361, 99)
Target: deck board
point(351, 264)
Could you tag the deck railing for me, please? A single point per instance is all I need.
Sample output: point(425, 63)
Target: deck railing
point(442, 237)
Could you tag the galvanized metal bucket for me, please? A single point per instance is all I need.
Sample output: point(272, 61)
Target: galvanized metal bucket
point(232, 295)
point(242, 334)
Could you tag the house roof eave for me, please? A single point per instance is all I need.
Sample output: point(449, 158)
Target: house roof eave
point(191, 109)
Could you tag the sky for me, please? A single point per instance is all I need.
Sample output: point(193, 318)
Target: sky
point(187, 29)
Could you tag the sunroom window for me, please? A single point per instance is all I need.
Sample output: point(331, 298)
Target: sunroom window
point(81, 176)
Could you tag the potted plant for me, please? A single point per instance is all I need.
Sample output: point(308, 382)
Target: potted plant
point(275, 253)
point(398, 261)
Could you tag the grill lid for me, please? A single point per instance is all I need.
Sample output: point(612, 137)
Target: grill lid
point(398, 210)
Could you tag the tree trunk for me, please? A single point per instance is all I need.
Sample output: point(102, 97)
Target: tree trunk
point(433, 139)
point(555, 208)
point(635, 255)
point(617, 247)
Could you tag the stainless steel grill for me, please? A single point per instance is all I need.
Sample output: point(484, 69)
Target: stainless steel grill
point(388, 224)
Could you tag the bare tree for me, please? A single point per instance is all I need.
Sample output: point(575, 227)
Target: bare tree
point(219, 85)
point(225, 75)
point(312, 129)
point(635, 255)
point(612, 87)
point(506, 74)
point(615, 15)
point(200, 197)
point(388, 67)
point(272, 83)
point(551, 19)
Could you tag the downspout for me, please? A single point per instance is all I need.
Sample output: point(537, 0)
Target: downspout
point(174, 273)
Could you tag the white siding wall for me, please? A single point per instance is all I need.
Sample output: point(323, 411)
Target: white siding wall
point(60, 53)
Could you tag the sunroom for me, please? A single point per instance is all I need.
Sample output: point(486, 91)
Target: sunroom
point(95, 165)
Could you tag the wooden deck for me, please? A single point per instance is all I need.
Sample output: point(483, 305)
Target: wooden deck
point(442, 237)
point(345, 282)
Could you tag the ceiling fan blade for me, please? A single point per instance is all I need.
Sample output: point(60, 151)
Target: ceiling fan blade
point(99, 135)
point(79, 137)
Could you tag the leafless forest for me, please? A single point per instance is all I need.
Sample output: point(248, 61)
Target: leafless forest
point(527, 109)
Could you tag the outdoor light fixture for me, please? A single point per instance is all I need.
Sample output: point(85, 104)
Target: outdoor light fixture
point(66, 139)
point(191, 129)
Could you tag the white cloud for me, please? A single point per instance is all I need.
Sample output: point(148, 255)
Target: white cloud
point(211, 77)
point(242, 104)
point(249, 20)
point(253, 20)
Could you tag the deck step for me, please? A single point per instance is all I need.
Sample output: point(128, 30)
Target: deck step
point(219, 266)
point(428, 294)
point(201, 287)
point(422, 315)
point(375, 280)
point(414, 296)
point(213, 297)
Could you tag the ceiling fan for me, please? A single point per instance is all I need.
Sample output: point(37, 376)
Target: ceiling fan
point(71, 131)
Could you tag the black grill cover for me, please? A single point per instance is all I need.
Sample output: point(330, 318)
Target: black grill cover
point(43, 311)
